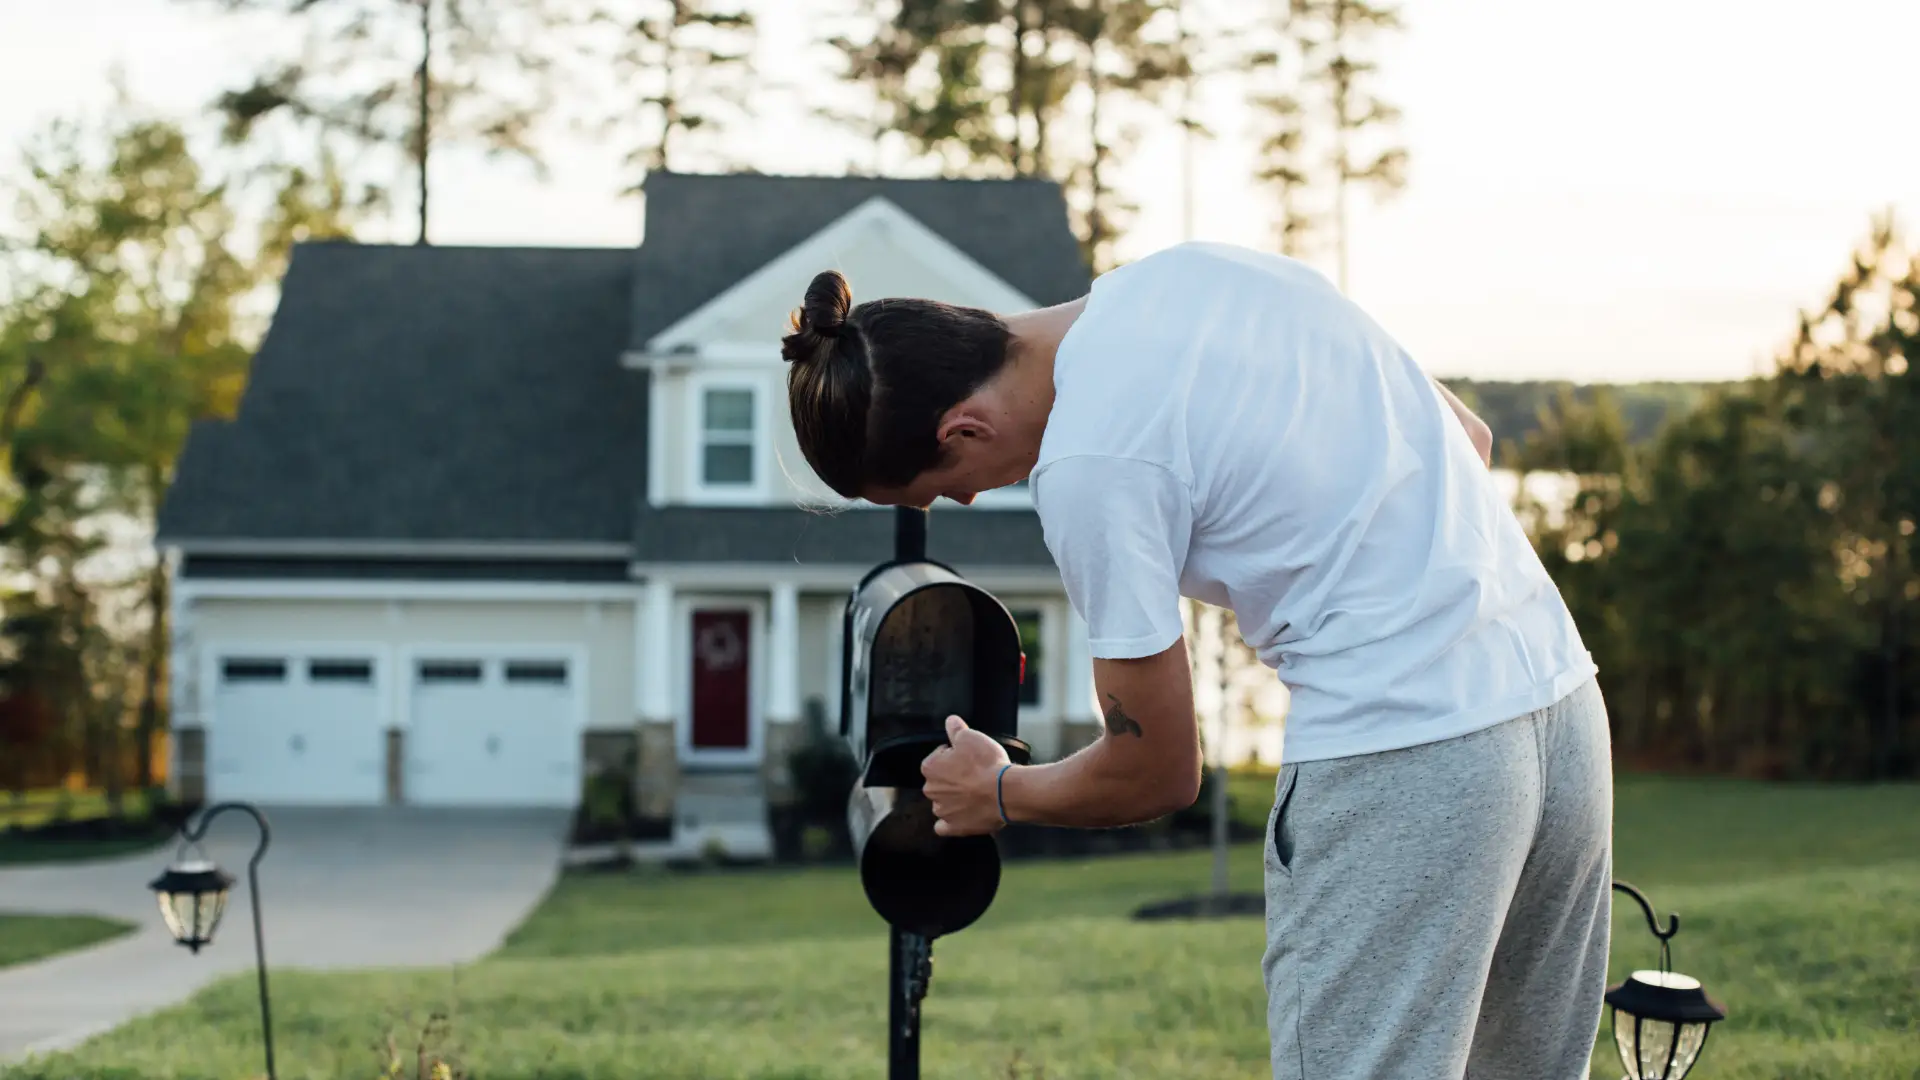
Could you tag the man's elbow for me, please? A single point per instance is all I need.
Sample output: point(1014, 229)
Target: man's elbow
point(1178, 790)
point(1482, 437)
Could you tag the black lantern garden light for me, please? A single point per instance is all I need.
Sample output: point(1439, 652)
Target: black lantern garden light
point(193, 896)
point(1661, 1017)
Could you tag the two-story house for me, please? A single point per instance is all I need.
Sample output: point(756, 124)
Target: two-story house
point(488, 519)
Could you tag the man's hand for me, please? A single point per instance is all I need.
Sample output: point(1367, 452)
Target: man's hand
point(962, 779)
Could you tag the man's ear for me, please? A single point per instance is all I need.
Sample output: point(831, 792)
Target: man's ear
point(964, 421)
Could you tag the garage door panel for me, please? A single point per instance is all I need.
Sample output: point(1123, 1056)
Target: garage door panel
point(293, 730)
point(494, 732)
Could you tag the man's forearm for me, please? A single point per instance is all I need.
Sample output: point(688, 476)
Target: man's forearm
point(1096, 788)
point(1145, 765)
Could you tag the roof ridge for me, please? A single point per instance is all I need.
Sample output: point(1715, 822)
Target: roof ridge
point(853, 177)
point(381, 245)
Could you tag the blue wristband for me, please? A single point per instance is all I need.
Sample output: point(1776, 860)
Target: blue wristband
point(1000, 792)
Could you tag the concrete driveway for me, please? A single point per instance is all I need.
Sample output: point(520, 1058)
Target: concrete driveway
point(391, 887)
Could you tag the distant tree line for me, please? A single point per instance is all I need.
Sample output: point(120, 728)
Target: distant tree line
point(1746, 577)
point(1515, 410)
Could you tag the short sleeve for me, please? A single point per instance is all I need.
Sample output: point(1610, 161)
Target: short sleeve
point(1118, 530)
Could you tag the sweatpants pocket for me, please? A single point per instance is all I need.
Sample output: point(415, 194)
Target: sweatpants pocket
point(1279, 838)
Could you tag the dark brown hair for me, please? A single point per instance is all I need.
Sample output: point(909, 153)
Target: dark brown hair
point(869, 384)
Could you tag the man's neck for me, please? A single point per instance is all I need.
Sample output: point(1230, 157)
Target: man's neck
point(1028, 387)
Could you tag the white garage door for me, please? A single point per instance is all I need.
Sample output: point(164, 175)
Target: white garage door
point(494, 732)
point(297, 730)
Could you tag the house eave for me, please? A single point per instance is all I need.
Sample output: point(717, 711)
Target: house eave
point(395, 549)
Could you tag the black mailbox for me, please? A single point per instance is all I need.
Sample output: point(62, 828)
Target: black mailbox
point(923, 644)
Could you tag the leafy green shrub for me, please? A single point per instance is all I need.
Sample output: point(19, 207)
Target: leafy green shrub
point(824, 773)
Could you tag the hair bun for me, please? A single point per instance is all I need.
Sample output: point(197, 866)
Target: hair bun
point(822, 317)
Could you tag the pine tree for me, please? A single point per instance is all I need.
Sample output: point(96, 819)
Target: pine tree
point(1016, 88)
point(1334, 37)
point(401, 77)
point(687, 64)
point(925, 67)
point(1125, 63)
point(1283, 168)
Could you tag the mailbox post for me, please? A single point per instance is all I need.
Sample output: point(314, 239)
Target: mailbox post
point(922, 644)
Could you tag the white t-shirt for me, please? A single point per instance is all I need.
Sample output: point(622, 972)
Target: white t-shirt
point(1227, 426)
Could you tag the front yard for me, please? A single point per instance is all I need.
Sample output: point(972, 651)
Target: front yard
point(1801, 910)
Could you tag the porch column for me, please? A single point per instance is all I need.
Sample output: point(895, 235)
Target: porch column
point(654, 679)
point(836, 648)
point(783, 659)
point(186, 750)
point(1080, 710)
point(783, 730)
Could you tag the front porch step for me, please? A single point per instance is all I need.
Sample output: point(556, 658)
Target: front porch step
point(694, 810)
point(734, 783)
point(726, 809)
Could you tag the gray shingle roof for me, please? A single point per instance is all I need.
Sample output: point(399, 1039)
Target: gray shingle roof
point(705, 233)
point(477, 394)
point(429, 393)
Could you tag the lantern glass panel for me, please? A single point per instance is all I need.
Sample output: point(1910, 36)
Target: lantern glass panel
point(192, 916)
point(1643, 1045)
point(1647, 1046)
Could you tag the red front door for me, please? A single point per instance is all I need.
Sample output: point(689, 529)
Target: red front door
point(720, 642)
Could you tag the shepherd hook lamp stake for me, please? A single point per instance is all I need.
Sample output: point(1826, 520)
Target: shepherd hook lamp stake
point(193, 896)
point(1660, 1017)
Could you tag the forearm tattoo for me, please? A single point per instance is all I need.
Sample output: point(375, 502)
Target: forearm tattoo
point(1118, 722)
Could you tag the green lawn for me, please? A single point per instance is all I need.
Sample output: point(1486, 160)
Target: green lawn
point(1801, 911)
point(31, 937)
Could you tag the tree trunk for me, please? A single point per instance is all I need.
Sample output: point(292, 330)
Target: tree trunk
point(1220, 811)
point(1342, 132)
point(1096, 208)
point(109, 712)
point(1037, 105)
point(423, 137)
point(1210, 693)
point(1021, 94)
point(153, 671)
point(1186, 123)
point(1096, 187)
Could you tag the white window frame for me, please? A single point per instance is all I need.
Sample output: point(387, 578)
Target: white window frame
point(697, 488)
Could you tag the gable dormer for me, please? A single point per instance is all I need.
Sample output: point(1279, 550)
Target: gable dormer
point(718, 428)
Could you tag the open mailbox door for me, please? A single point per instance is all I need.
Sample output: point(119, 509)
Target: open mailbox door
point(924, 644)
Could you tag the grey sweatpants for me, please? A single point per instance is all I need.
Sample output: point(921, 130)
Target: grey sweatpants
point(1442, 911)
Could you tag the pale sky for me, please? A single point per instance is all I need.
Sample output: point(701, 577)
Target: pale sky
point(1644, 189)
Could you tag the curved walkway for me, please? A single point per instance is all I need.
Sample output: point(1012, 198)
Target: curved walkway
point(398, 887)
